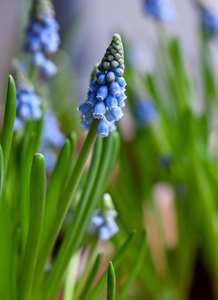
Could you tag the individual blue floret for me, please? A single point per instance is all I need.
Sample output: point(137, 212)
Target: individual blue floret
point(103, 220)
point(209, 20)
point(103, 128)
point(159, 9)
point(42, 37)
point(145, 113)
point(106, 93)
point(99, 110)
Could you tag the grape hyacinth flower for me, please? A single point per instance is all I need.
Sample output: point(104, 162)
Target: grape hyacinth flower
point(52, 139)
point(209, 20)
point(145, 113)
point(106, 96)
point(103, 220)
point(28, 102)
point(42, 37)
point(159, 9)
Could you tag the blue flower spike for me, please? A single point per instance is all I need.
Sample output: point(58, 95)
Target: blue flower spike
point(159, 9)
point(106, 96)
point(28, 102)
point(103, 220)
point(42, 37)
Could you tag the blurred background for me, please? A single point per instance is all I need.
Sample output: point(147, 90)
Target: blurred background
point(87, 26)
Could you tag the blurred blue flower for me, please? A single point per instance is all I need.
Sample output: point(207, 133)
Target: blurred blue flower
point(50, 157)
point(103, 220)
point(165, 160)
point(28, 102)
point(106, 94)
point(52, 134)
point(42, 37)
point(159, 9)
point(209, 20)
point(52, 140)
point(145, 113)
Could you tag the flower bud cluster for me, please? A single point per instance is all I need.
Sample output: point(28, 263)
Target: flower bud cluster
point(106, 96)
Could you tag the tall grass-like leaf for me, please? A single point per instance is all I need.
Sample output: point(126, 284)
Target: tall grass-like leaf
point(55, 185)
point(65, 202)
point(8, 125)
point(71, 277)
point(111, 282)
point(92, 276)
point(37, 203)
point(1, 170)
point(116, 262)
point(138, 263)
point(76, 233)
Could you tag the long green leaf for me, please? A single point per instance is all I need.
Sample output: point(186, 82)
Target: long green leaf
point(92, 276)
point(116, 262)
point(1, 170)
point(65, 203)
point(75, 236)
point(111, 282)
point(133, 271)
point(8, 125)
point(37, 203)
point(55, 184)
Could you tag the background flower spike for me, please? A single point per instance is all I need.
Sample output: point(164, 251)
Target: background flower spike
point(8, 124)
point(42, 37)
